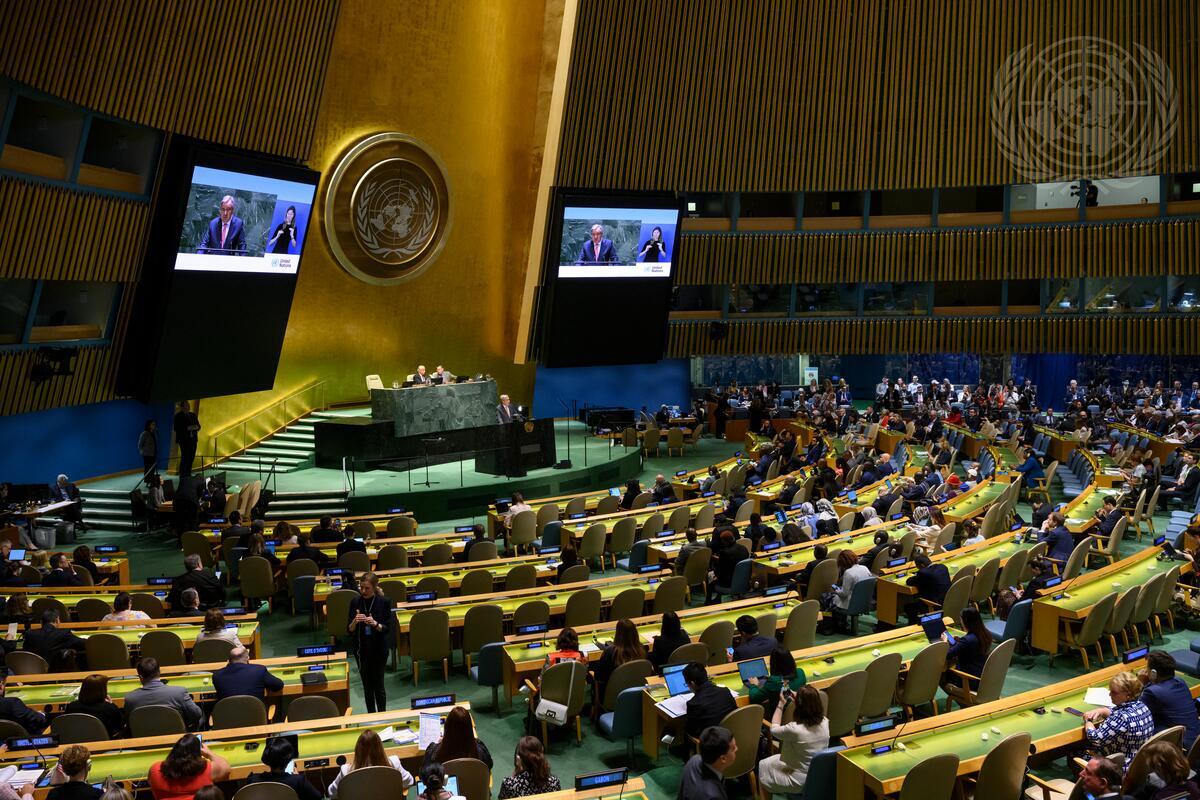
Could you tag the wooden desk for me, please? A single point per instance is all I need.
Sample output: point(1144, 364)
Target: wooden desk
point(187, 628)
point(861, 774)
point(51, 693)
point(1082, 594)
point(821, 665)
point(972, 443)
point(1161, 448)
point(632, 789)
point(892, 593)
point(321, 742)
point(1060, 445)
point(887, 441)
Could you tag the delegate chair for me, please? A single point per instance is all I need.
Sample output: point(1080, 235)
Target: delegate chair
point(565, 684)
point(628, 604)
point(474, 777)
point(266, 790)
point(845, 696)
point(746, 725)
point(522, 576)
point(484, 551)
point(923, 678)
point(625, 720)
point(671, 595)
point(337, 612)
point(984, 584)
point(544, 515)
point(371, 783)
point(476, 582)
point(163, 645)
point(429, 640)
point(1016, 627)
point(860, 603)
point(106, 651)
point(524, 530)
point(433, 583)
point(1119, 620)
point(718, 637)
point(630, 675)
point(636, 558)
point(400, 527)
point(695, 571)
point(78, 728)
point(489, 671)
point(311, 707)
point(356, 561)
point(583, 608)
point(150, 605)
point(883, 674)
point(591, 547)
point(91, 609)
point(620, 541)
point(991, 682)
point(211, 651)
point(393, 556)
point(1088, 634)
point(1003, 771)
point(531, 612)
point(239, 711)
point(739, 581)
point(438, 554)
point(482, 625)
point(801, 628)
point(696, 652)
point(23, 662)
point(576, 574)
point(935, 776)
point(821, 580)
point(156, 721)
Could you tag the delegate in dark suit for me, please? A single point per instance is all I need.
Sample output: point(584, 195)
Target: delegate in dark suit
point(931, 582)
point(14, 710)
point(52, 643)
point(206, 584)
point(238, 678)
point(591, 253)
point(708, 706)
point(235, 238)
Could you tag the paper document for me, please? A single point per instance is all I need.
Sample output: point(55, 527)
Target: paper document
point(12, 630)
point(404, 736)
point(387, 733)
point(589, 647)
point(1098, 696)
point(430, 730)
point(675, 706)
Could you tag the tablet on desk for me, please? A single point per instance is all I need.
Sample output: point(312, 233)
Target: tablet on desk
point(752, 669)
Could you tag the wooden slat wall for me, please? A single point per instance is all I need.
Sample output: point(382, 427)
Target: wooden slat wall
point(53, 233)
point(245, 73)
point(1139, 248)
point(728, 95)
point(1152, 335)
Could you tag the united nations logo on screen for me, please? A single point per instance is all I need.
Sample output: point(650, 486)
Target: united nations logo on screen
point(387, 209)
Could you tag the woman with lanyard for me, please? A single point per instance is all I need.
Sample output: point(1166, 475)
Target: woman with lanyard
point(370, 620)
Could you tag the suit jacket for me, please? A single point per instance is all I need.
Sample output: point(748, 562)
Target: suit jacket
point(62, 493)
point(235, 239)
point(931, 582)
point(52, 643)
point(587, 252)
point(505, 414)
point(350, 546)
point(249, 679)
point(1188, 485)
point(14, 710)
point(206, 584)
point(418, 378)
point(60, 577)
point(1110, 520)
point(157, 693)
point(708, 707)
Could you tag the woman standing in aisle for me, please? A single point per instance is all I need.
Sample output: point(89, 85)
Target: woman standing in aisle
point(370, 619)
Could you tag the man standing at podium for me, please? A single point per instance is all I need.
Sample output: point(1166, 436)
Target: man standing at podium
point(506, 412)
point(597, 249)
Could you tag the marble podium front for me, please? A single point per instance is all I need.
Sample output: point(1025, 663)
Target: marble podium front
point(432, 409)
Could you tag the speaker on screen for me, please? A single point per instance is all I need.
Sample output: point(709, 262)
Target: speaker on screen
point(607, 278)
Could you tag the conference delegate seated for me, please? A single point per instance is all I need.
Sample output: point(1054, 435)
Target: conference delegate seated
point(70, 776)
point(235, 529)
point(751, 643)
point(1059, 539)
point(206, 584)
point(820, 552)
point(240, 677)
point(458, 741)
point(480, 537)
point(54, 644)
point(1168, 698)
point(689, 547)
point(799, 740)
point(153, 692)
point(215, 628)
point(304, 550)
point(531, 775)
point(709, 702)
point(632, 490)
point(671, 636)
point(780, 668)
point(881, 543)
point(10, 571)
point(277, 755)
point(123, 610)
point(349, 544)
point(703, 775)
point(662, 491)
point(1185, 482)
point(727, 556)
point(188, 767)
point(189, 605)
point(567, 558)
point(626, 646)
point(1031, 468)
point(369, 752)
point(325, 533)
point(14, 709)
point(931, 582)
point(93, 699)
point(1126, 726)
point(968, 653)
point(60, 573)
point(1108, 516)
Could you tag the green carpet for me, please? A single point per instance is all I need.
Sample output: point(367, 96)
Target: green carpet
point(283, 633)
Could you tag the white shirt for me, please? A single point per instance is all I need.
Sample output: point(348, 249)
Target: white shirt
point(850, 577)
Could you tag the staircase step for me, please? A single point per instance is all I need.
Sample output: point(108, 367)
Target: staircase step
point(108, 513)
point(294, 436)
point(305, 513)
point(105, 502)
point(287, 446)
point(85, 491)
point(302, 503)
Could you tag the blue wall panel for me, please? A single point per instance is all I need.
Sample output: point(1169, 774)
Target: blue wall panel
point(632, 386)
point(82, 441)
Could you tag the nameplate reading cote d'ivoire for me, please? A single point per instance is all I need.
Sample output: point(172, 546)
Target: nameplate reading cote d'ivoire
point(387, 209)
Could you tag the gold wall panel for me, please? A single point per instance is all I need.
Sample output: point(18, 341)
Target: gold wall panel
point(1148, 335)
point(471, 79)
point(727, 95)
point(1135, 248)
point(245, 73)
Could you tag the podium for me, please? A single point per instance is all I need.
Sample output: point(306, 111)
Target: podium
point(515, 448)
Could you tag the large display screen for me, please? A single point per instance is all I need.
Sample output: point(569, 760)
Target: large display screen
point(617, 242)
point(606, 278)
point(219, 273)
point(243, 222)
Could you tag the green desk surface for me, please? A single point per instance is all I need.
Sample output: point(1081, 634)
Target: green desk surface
point(862, 540)
point(1002, 547)
point(988, 494)
point(135, 764)
point(1006, 459)
point(1083, 595)
point(577, 528)
point(521, 652)
point(965, 739)
point(556, 599)
point(916, 459)
point(70, 600)
point(1085, 510)
point(188, 633)
point(323, 589)
point(199, 682)
point(850, 659)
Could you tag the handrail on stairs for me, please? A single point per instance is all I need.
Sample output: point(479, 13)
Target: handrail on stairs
point(288, 408)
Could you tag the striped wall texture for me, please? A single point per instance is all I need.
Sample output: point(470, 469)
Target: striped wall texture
point(788, 95)
point(226, 72)
point(1119, 249)
point(245, 73)
point(1152, 335)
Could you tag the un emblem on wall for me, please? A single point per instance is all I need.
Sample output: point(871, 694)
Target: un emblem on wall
point(387, 209)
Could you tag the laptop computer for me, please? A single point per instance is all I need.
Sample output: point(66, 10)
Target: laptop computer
point(676, 685)
point(757, 668)
point(934, 626)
